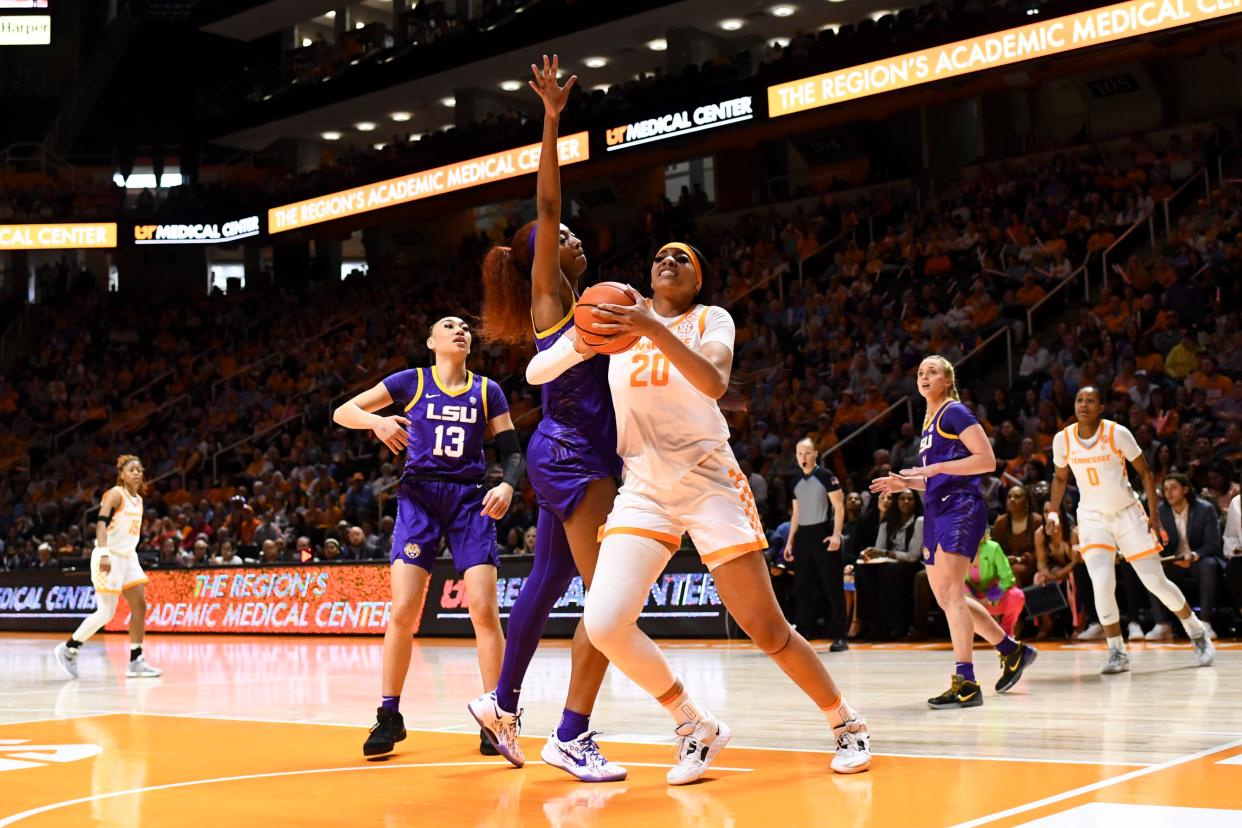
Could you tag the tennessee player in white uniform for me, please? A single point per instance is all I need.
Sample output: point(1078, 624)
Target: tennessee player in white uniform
point(681, 476)
point(116, 571)
point(1111, 521)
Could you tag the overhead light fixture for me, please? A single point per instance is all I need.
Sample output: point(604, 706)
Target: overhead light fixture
point(331, 15)
point(780, 41)
point(399, 117)
point(416, 136)
point(330, 135)
point(657, 45)
point(601, 87)
point(510, 85)
point(830, 27)
point(306, 41)
point(880, 14)
point(449, 102)
point(360, 25)
point(595, 62)
point(379, 146)
point(365, 126)
point(783, 10)
point(732, 24)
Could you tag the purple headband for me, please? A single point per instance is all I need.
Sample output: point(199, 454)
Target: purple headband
point(530, 241)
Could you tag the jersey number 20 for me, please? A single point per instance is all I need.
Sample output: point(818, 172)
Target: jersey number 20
point(456, 441)
point(649, 369)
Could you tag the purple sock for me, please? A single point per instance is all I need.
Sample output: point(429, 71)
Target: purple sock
point(1007, 646)
point(965, 669)
point(552, 571)
point(392, 703)
point(572, 725)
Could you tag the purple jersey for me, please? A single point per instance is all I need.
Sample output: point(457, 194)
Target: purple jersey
point(577, 406)
point(941, 443)
point(446, 427)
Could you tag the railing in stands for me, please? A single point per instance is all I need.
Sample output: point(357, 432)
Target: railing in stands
point(245, 369)
point(76, 426)
point(216, 455)
point(1207, 188)
point(1062, 285)
point(908, 401)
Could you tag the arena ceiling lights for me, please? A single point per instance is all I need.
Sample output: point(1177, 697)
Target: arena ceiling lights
point(462, 175)
point(1046, 38)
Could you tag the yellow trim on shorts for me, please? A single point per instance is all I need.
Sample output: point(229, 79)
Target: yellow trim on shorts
point(1146, 554)
point(419, 392)
point(108, 591)
point(134, 583)
point(722, 556)
point(1091, 547)
point(672, 541)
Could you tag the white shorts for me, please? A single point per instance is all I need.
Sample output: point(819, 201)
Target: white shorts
point(713, 502)
point(1125, 531)
point(126, 572)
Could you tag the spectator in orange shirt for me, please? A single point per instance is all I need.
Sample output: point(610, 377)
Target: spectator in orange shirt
point(849, 414)
point(1215, 385)
point(1031, 292)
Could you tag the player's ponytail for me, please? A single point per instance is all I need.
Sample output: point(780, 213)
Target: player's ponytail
point(951, 374)
point(506, 290)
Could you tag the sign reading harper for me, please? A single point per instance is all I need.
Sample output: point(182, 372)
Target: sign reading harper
point(1043, 39)
point(451, 177)
point(196, 233)
point(672, 124)
point(56, 236)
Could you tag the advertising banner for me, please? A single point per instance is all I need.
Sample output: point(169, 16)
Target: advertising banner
point(680, 122)
point(57, 236)
point(25, 30)
point(206, 233)
point(419, 185)
point(45, 599)
point(339, 599)
point(1037, 40)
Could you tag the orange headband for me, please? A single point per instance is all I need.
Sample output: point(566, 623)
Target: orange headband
point(694, 261)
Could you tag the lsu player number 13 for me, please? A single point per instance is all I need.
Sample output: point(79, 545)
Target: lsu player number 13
point(1111, 520)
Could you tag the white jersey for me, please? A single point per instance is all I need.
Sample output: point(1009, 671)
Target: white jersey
point(1099, 465)
point(125, 525)
point(666, 426)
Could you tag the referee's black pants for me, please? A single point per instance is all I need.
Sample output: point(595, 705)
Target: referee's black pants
point(816, 569)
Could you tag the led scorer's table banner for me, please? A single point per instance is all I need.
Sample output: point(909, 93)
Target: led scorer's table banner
point(57, 236)
point(337, 598)
point(461, 175)
point(1043, 39)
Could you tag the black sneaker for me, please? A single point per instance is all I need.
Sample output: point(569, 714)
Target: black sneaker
point(838, 646)
point(1013, 664)
point(485, 745)
point(961, 693)
point(389, 728)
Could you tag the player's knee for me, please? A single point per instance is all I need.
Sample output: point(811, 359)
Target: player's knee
point(770, 635)
point(405, 613)
point(603, 627)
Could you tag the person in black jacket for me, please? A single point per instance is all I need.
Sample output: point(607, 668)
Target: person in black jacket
point(1194, 544)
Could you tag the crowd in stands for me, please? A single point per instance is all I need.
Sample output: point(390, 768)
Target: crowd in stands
point(823, 348)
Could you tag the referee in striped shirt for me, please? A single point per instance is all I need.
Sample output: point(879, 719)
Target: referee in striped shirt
point(814, 545)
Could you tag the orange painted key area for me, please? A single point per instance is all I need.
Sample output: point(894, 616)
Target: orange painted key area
point(159, 771)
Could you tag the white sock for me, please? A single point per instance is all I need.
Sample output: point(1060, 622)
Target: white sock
point(839, 714)
point(1116, 642)
point(1193, 626)
point(684, 709)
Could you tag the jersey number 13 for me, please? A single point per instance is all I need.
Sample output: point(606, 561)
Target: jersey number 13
point(450, 441)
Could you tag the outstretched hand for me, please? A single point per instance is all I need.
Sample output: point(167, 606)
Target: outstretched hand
point(554, 96)
point(614, 320)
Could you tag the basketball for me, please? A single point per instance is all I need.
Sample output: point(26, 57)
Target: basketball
point(605, 293)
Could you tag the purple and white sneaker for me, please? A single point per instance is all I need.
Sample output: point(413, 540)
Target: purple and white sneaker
point(500, 727)
point(581, 758)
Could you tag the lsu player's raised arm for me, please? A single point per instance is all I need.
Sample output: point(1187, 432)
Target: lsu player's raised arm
point(547, 365)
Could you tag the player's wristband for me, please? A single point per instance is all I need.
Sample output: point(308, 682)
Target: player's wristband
point(1054, 515)
point(100, 550)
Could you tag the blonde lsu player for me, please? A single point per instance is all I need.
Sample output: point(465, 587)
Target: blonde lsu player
point(115, 570)
point(1111, 520)
point(680, 475)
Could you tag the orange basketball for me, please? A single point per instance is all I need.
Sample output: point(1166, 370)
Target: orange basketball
point(610, 293)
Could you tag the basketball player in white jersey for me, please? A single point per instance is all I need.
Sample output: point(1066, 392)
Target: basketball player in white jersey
point(681, 476)
point(115, 571)
point(1111, 520)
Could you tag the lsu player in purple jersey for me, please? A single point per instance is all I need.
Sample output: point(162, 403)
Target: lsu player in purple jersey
point(953, 454)
point(446, 413)
point(573, 463)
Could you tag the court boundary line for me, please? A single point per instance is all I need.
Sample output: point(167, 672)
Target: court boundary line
point(53, 806)
point(1094, 786)
point(94, 715)
point(455, 730)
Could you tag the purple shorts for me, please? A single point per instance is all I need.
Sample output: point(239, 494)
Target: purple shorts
point(559, 469)
point(427, 510)
point(955, 523)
